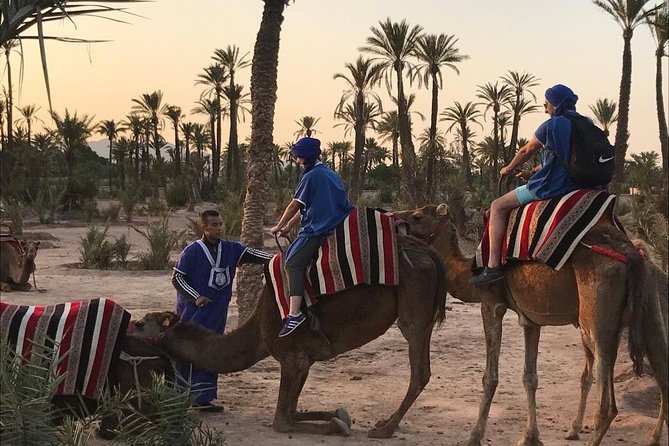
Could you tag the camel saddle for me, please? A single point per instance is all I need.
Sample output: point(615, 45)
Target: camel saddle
point(548, 231)
point(6, 236)
point(87, 336)
point(361, 250)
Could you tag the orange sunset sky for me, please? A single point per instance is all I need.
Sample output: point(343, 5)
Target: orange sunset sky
point(559, 41)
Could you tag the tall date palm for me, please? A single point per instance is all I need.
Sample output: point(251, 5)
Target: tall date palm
point(151, 105)
point(659, 26)
point(494, 96)
point(110, 129)
point(604, 111)
point(461, 116)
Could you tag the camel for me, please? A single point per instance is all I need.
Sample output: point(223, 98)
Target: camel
point(349, 319)
point(121, 380)
point(592, 291)
point(15, 268)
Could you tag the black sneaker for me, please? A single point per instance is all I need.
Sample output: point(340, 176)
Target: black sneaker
point(208, 407)
point(489, 275)
point(290, 323)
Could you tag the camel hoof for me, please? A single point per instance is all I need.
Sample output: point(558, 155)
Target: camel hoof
point(573, 435)
point(530, 442)
point(381, 432)
point(341, 426)
point(343, 415)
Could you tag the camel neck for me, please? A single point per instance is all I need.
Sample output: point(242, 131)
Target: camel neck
point(458, 267)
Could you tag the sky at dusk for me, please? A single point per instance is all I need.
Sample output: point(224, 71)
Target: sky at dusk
point(559, 41)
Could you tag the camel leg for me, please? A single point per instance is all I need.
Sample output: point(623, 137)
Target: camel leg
point(319, 415)
point(530, 381)
point(294, 373)
point(419, 360)
point(586, 384)
point(5, 286)
point(492, 313)
point(656, 351)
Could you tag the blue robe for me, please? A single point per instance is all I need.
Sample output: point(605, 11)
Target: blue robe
point(210, 276)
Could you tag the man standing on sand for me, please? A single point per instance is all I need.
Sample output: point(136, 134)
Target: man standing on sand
point(203, 279)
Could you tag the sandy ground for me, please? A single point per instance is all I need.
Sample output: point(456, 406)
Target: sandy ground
point(370, 382)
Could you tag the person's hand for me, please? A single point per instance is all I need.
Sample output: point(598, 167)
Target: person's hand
point(275, 230)
point(525, 174)
point(202, 301)
point(505, 171)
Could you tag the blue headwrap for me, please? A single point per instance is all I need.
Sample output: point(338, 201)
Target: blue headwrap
point(562, 98)
point(309, 149)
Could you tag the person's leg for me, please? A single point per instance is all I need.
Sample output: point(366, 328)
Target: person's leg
point(295, 267)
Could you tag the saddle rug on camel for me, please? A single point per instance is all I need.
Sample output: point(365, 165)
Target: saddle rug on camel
point(361, 250)
point(86, 335)
point(549, 230)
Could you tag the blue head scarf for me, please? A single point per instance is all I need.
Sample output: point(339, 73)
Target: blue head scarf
point(309, 149)
point(562, 98)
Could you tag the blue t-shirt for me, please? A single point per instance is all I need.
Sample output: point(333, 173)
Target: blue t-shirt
point(324, 201)
point(213, 281)
point(552, 179)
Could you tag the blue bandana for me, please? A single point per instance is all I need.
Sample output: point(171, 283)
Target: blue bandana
point(562, 98)
point(309, 149)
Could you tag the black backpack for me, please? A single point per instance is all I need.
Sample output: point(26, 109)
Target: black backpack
point(592, 157)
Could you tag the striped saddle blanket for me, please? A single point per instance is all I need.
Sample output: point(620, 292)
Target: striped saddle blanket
point(549, 230)
point(361, 250)
point(87, 336)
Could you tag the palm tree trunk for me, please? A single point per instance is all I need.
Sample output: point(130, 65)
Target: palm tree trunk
point(10, 105)
point(216, 158)
point(623, 113)
point(177, 151)
point(661, 117)
point(29, 130)
point(514, 129)
point(356, 186)
point(495, 150)
point(136, 158)
point(156, 138)
point(405, 140)
point(187, 149)
point(433, 136)
point(396, 156)
point(263, 102)
point(466, 159)
point(233, 149)
point(111, 143)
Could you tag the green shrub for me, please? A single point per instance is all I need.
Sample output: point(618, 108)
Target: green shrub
point(129, 199)
point(161, 240)
point(232, 212)
point(90, 208)
point(121, 250)
point(14, 210)
point(177, 193)
point(49, 201)
point(96, 251)
point(155, 205)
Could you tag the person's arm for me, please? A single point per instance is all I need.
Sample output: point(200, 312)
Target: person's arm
point(182, 286)
point(524, 153)
point(291, 210)
point(252, 255)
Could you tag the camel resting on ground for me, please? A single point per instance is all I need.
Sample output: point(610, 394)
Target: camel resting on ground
point(349, 319)
point(592, 291)
point(15, 268)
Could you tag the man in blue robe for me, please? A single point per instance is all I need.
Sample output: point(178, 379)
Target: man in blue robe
point(203, 279)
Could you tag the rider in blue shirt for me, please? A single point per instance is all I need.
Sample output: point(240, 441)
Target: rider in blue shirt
point(550, 180)
point(320, 203)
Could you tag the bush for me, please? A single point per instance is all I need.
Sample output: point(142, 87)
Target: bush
point(161, 240)
point(14, 210)
point(177, 193)
point(90, 208)
point(48, 201)
point(96, 251)
point(121, 250)
point(232, 212)
point(156, 206)
point(129, 199)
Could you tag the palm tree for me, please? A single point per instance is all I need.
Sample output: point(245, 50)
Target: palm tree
point(187, 130)
point(461, 116)
point(215, 76)
point(121, 151)
point(643, 172)
point(659, 26)
point(307, 126)
point(388, 128)
point(7, 47)
point(517, 102)
point(174, 114)
point(263, 102)
point(393, 43)
point(435, 52)
point(110, 129)
point(361, 77)
point(494, 95)
point(135, 124)
point(232, 62)
point(237, 101)
point(29, 114)
point(212, 109)
point(71, 133)
point(151, 105)
point(2, 123)
point(605, 113)
point(628, 15)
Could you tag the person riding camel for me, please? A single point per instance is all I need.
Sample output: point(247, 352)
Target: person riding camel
point(549, 180)
point(320, 203)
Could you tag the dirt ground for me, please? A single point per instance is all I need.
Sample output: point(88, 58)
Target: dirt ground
point(370, 382)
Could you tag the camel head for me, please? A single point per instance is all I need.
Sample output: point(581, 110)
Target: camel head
point(152, 324)
point(427, 222)
point(29, 249)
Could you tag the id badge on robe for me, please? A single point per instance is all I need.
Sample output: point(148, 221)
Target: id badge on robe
point(219, 277)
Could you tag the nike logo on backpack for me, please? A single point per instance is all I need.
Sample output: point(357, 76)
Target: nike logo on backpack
point(605, 160)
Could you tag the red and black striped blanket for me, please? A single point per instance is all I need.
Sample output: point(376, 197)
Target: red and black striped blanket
point(361, 250)
point(549, 230)
point(87, 336)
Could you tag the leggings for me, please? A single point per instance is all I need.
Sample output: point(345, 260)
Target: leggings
point(298, 262)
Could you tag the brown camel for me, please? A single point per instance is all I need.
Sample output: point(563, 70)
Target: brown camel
point(15, 269)
point(591, 290)
point(349, 319)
